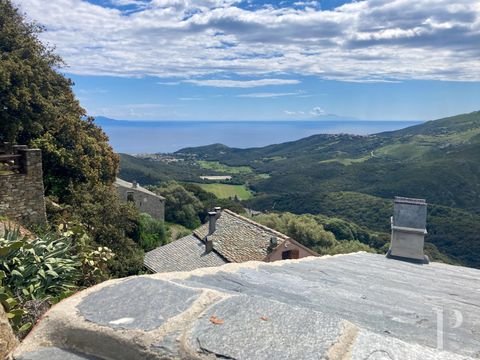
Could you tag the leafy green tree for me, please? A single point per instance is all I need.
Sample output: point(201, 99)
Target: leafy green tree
point(303, 228)
point(181, 206)
point(38, 108)
point(151, 232)
point(110, 223)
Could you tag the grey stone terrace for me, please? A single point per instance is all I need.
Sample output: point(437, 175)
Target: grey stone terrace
point(357, 306)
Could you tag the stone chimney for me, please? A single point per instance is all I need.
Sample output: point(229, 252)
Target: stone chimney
point(273, 241)
point(134, 184)
point(208, 245)
point(212, 222)
point(408, 230)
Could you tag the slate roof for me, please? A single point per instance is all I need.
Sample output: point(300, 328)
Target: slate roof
point(185, 254)
point(236, 239)
point(125, 184)
point(239, 239)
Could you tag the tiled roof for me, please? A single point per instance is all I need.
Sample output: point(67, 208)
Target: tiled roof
point(185, 254)
point(125, 184)
point(240, 239)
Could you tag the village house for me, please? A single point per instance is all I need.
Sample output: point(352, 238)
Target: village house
point(145, 200)
point(226, 238)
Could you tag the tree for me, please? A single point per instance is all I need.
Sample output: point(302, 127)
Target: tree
point(181, 206)
point(39, 109)
point(302, 228)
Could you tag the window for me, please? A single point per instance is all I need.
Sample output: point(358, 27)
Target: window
point(290, 254)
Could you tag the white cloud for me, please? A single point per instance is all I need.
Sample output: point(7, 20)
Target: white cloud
point(294, 113)
point(366, 40)
point(169, 83)
point(243, 83)
point(266, 95)
point(318, 111)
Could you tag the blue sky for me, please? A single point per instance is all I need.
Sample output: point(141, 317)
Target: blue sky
point(267, 60)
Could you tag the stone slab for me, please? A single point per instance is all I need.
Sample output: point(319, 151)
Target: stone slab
point(359, 306)
point(140, 303)
point(257, 328)
point(54, 353)
point(385, 296)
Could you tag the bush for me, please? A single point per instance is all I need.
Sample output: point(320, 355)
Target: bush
point(151, 232)
point(108, 222)
point(181, 206)
point(34, 274)
point(302, 228)
point(40, 268)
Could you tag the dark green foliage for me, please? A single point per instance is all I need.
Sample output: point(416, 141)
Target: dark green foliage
point(181, 206)
point(41, 271)
point(303, 229)
point(151, 172)
point(309, 231)
point(151, 233)
point(39, 268)
point(346, 230)
point(38, 108)
point(110, 223)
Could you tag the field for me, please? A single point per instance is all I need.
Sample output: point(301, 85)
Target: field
point(216, 166)
point(225, 191)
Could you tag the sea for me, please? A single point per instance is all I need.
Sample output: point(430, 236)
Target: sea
point(142, 137)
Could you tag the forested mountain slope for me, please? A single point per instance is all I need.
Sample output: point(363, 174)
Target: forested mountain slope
point(438, 160)
point(356, 177)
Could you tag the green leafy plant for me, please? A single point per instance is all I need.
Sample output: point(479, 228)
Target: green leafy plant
point(94, 260)
point(14, 312)
point(41, 270)
point(151, 232)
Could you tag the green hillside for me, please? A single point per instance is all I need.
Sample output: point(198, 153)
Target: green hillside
point(438, 160)
point(356, 177)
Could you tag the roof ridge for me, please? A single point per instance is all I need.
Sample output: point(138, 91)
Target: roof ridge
point(263, 227)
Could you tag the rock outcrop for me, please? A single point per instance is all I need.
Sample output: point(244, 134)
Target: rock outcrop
point(8, 341)
point(357, 306)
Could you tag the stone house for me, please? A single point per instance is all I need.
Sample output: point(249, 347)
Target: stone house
point(21, 185)
point(226, 238)
point(145, 200)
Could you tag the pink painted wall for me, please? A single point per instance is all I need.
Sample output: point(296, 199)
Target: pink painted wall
point(285, 246)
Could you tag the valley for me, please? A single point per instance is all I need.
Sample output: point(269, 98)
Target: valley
point(352, 177)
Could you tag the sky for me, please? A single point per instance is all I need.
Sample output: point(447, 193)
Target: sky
point(267, 60)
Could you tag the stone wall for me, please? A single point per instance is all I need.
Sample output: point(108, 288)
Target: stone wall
point(145, 201)
point(22, 193)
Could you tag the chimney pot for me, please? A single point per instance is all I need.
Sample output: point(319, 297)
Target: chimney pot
point(212, 222)
point(273, 241)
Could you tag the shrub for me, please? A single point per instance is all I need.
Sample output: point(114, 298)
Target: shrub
point(151, 232)
point(33, 274)
point(40, 268)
